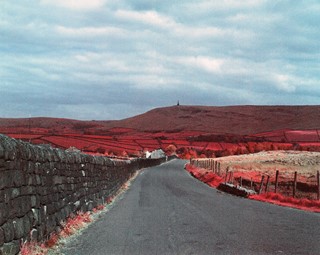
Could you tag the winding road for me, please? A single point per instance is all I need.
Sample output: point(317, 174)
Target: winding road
point(166, 211)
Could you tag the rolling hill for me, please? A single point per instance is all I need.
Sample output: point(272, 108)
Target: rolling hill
point(238, 120)
point(198, 130)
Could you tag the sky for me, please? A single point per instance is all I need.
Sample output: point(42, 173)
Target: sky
point(113, 59)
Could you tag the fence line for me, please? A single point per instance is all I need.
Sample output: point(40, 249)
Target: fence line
point(214, 165)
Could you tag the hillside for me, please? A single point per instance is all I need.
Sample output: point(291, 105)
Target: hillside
point(189, 131)
point(239, 120)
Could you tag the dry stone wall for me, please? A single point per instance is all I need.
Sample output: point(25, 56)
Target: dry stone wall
point(41, 186)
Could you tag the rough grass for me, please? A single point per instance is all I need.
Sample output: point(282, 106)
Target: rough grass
point(278, 199)
point(69, 227)
point(204, 175)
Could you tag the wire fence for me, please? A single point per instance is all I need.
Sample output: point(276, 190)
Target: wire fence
point(278, 182)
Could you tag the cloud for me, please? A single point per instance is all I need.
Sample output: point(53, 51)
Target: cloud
point(161, 21)
point(89, 31)
point(208, 64)
point(78, 5)
point(224, 5)
point(283, 82)
point(147, 17)
point(119, 58)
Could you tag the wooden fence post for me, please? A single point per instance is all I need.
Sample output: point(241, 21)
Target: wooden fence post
point(261, 184)
point(226, 179)
point(294, 185)
point(276, 184)
point(240, 181)
point(231, 177)
point(267, 184)
point(318, 181)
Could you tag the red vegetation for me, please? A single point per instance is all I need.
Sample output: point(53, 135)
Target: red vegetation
point(204, 175)
point(278, 199)
point(136, 143)
point(68, 228)
point(33, 248)
point(74, 223)
point(302, 136)
point(194, 131)
point(109, 200)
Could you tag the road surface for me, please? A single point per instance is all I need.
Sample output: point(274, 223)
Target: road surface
point(166, 211)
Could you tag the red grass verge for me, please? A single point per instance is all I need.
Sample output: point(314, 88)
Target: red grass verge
point(204, 175)
point(69, 227)
point(278, 199)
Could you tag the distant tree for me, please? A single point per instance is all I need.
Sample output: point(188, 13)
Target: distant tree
point(251, 147)
point(193, 153)
point(274, 147)
point(124, 153)
point(239, 151)
point(171, 149)
point(259, 147)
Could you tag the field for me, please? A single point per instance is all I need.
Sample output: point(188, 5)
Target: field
point(134, 144)
point(296, 185)
point(188, 131)
point(248, 170)
point(254, 166)
point(186, 144)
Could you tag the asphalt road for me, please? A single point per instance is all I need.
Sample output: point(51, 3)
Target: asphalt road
point(166, 211)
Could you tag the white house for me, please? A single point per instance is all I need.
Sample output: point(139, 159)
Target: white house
point(155, 154)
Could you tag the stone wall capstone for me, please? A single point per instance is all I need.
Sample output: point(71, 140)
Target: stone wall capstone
point(41, 186)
